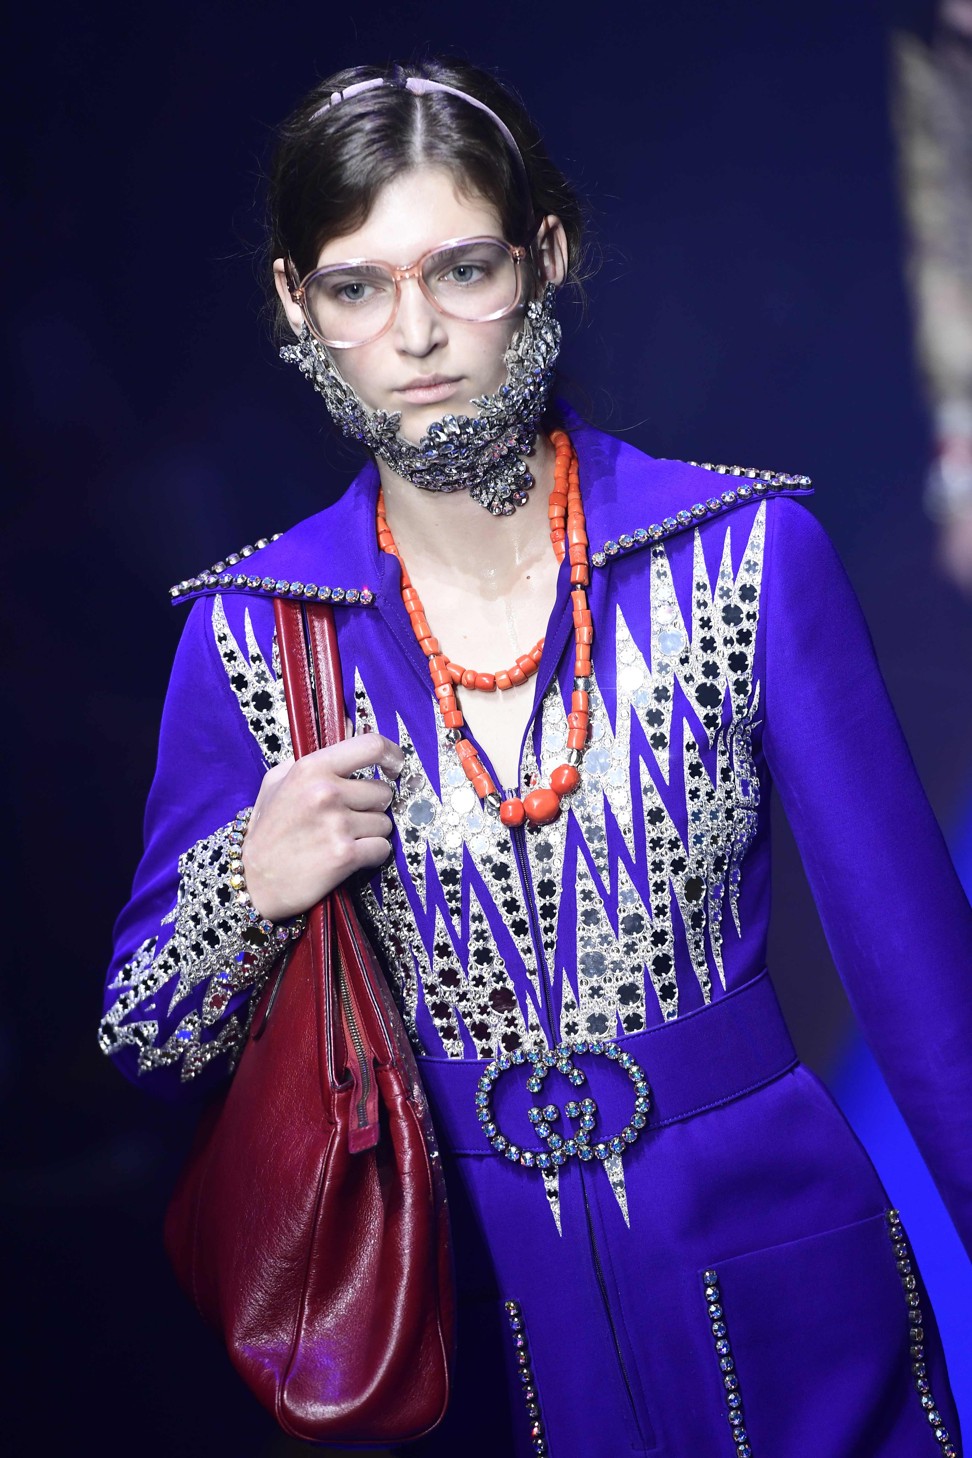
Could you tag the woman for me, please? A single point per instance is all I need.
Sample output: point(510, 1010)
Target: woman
point(577, 700)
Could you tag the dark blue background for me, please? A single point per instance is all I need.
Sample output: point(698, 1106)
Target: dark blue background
point(750, 308)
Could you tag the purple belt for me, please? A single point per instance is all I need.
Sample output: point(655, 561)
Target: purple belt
point(590, 1098)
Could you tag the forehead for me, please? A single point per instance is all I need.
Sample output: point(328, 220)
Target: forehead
point(419, 209)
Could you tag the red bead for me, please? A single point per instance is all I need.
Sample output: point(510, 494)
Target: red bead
point(503, 681)
point(486, 683)
point(512, 812)
point(564, 779)
point(542, 806)
point(516, 675)
point(468, 678)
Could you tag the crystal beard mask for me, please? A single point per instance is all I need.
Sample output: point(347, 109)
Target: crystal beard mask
point(482, 454)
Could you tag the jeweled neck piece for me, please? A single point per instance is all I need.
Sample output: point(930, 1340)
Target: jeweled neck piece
point(482, 454)
point(568, 537)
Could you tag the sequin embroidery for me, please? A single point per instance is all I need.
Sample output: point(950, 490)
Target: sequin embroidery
point(207, 945)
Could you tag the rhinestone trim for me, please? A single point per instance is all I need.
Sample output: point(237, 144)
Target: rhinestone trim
point(221, 574)
point(580, 1143)
point(756, 485)
point(919, 1367)
point(538, 1437)
point(727, 1363)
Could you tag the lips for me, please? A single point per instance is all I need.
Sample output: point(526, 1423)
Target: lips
point(428, 389)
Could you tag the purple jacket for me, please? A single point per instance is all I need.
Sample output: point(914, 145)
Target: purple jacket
point(729, 655)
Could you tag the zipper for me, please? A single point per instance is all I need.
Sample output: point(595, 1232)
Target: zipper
point(602, 1286)
point(518, 839)
point(365, 1136)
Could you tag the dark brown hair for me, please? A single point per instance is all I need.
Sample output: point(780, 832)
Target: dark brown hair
point(327, 170)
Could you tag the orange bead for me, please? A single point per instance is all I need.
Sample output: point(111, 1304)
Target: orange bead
point(576, 738)
point(578, 572)
point(439, 661)
point(579, 700)
point(486, 683)
point(456, 671)
point(512, 812)
point(578, 719)
point(584, 635)
point(452, 718)
point(444, 691)
point(537, 653)
point(542, 806)
point(526, 664)
point(503, 681)
point(564, 779)
point(465, 750)
point(579, 597)
point(517, 676)
point(429, 646)
point(468, 678)
point(420, 626)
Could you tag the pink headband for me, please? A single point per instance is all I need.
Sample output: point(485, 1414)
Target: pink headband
point(421, 87)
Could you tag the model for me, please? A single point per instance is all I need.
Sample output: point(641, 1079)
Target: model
point(580, 671)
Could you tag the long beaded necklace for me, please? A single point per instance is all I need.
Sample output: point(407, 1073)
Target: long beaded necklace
point(568, 536)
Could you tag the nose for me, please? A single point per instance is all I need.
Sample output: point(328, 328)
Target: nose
point(419, 328)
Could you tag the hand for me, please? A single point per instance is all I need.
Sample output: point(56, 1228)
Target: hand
point(312, 826)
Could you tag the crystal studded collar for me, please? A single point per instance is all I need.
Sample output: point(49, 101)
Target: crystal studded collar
point(633, 500)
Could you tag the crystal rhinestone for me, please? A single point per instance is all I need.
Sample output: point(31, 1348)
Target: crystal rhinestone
point(670, 523)
point(551, 1112)
point(699, 510)
point(711, 1292)
point(640, 535)
point(655, 531)
point(745, 491)
point(728, 497)
point(337, 594)
point(709, 1277)
point(598, 559)
point(611, 548)
point(352, 595)
point(527, 1158)
point(684, 518)
point(625, 541)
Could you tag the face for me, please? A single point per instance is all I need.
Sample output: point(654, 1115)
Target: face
point(426, 365)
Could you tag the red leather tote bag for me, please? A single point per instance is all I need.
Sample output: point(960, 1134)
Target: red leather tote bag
point(310, 1223)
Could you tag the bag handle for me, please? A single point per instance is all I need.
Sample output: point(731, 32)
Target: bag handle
point(311, 671)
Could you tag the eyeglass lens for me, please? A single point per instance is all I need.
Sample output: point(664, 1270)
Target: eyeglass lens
point(350, 303)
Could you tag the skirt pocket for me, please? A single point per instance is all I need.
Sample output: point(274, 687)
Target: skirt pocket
point(821, 1347)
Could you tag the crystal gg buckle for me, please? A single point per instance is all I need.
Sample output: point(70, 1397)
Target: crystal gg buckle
point(580, 1143)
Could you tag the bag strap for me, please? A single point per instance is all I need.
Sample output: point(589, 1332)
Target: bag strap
point(311, 671)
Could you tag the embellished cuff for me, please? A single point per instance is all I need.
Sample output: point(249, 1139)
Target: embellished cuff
point(259, 931)
point(187, 1001)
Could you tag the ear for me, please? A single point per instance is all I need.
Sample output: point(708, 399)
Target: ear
point(294, 316)
point(551, 247)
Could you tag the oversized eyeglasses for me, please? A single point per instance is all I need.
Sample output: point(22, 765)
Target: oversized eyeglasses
point(475, 279)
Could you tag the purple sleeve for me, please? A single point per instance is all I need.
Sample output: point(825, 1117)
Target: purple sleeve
point(894, 913)
point(187, 962)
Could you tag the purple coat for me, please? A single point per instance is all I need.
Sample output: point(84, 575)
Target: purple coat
point(704, 1261)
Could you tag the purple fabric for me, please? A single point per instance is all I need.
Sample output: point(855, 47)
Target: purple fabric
point(772, 1190)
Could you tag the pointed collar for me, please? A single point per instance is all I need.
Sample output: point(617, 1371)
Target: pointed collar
point(630, 499)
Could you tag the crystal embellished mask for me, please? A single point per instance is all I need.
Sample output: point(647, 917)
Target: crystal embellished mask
point(482, 454)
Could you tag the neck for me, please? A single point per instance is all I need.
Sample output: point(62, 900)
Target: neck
point(448, 535)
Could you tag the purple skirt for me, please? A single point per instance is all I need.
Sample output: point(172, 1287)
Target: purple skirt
point(743, 1288)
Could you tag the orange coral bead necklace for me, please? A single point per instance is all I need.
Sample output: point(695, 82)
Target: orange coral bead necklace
point(568, 537)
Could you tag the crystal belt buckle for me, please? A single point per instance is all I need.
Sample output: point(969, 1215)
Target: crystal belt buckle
point(580, 1142)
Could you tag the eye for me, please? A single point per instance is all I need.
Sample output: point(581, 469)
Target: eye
point(465, 272)
point(351, 293)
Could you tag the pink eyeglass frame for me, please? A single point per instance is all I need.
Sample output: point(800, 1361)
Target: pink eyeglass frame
point(398, 275)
